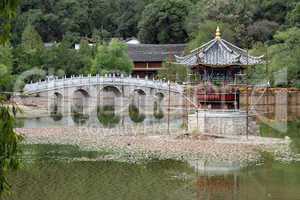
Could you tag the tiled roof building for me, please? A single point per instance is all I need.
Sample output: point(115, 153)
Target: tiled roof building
point(148, 58)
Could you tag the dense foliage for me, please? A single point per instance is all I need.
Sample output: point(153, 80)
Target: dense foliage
point(173, 72)
point(269, 27)
point(159, 21)
point(112, 57)
point(5, 68)
point(9, 140)
point(163, 20)
point(8, 10)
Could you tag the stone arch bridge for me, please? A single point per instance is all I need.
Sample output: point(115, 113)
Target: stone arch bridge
point(87, 93)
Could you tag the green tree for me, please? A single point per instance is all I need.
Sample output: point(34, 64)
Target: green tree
point(9, 148)
point(7, 13)
point(198, 14)
point(64, 59)
point(173, 72)
point(6, 61)
point(86, 55)
point(126, 17)
point(259, 73)
point(274, 10)
point(112, 58)
point(8, 138)
point(262, 30)
point(54, 18)
point(206, 32)
point(31, 40)
point(29, 53)
point(282, 57)
point(294, 16)
point(163, 22)
point(285, 55)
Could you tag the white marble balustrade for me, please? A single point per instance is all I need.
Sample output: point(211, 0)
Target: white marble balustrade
point(111, 79)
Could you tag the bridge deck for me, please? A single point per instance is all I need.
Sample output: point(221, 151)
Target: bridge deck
point(52, 84)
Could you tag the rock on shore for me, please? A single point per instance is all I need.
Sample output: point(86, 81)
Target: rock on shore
point(240, 150)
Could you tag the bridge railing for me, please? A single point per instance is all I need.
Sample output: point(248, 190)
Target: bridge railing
point(73, 81)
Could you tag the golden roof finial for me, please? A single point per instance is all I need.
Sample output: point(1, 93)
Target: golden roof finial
point(218, 33)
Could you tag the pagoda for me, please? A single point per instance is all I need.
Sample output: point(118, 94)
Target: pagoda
point(217, 64)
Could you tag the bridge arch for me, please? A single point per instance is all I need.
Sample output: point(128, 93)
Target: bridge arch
point(57, 99)
point(158, 106)
point(113, 89)
point(108, 100)
point(82, 92)
point(57, 96)
point(80, 101)
point(137, 105)
point(56, 106)
point(108, 96)
point(159, 95)
point(139, 91)
point(138, 98)
point(91, 88)
point(80, 106)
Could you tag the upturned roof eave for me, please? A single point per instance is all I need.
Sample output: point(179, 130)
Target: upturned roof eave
point(217, 65)
point(222, 65)
point(227, 46)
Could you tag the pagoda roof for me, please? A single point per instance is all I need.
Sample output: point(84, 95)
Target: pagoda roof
point(219, 52)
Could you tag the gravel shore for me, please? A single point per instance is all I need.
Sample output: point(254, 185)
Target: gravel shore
point(185, 147)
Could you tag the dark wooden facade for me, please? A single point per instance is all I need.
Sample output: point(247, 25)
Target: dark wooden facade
point(148, 58)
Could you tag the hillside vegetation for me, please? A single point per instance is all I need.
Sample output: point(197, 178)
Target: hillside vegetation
point(265, 27)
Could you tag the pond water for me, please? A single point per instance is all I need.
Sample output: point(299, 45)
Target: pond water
point(52, 172)
point(103, 117)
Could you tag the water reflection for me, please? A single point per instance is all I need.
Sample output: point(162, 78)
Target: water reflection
point(157, 111)
point(56, 114)
point(218, 187)
point(154, 179)
point(107, 116)
point(135, 115)
point(55, 179)
point(158, 105)
point(78, 116)
point(56, 107)
point(101, 118)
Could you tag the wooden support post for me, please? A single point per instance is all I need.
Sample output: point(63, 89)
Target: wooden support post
point(197, 118)
point(169, 103)
point(247, 111)
point(247, 101)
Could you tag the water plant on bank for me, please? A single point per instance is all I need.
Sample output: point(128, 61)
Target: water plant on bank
point(9, 144)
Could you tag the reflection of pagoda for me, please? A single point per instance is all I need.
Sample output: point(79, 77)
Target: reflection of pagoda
point(218, 62)
point(218, 187)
